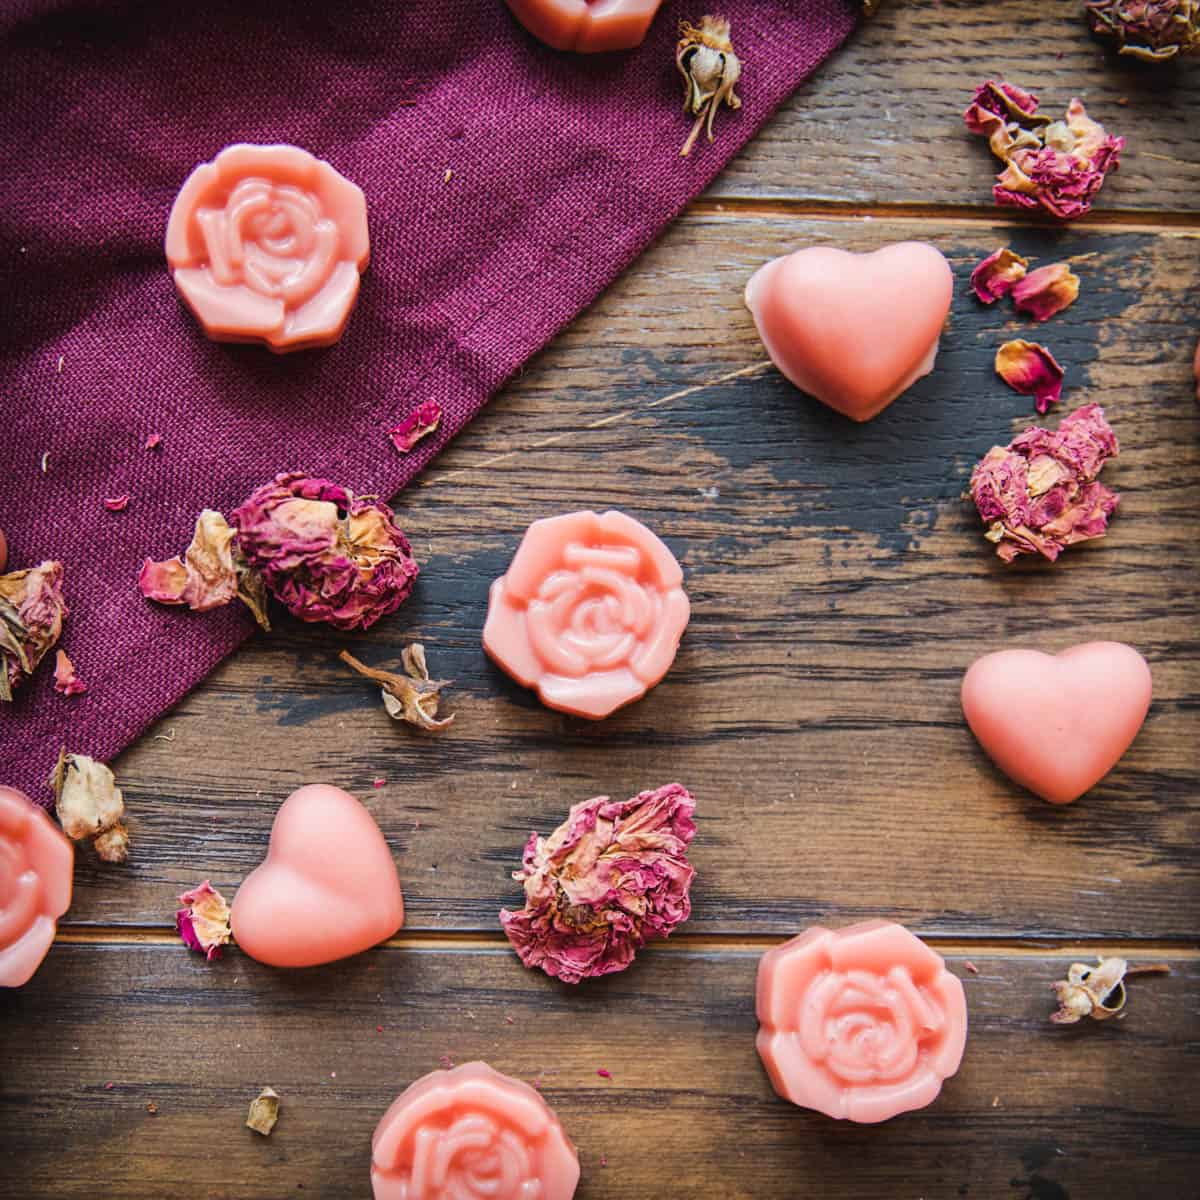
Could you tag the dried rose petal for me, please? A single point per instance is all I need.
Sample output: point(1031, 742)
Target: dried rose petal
point(1029, 368)
point(1039, 494)
point(325, 553)
point(90, 805)
point(611, 877)
point(117, 503)
point(155, 439)
point(31, 616)
point(995, 276)
point(66, 682)
point(264, 1111)
point(705, 58)
point(1046, 291)
point(416, 426)
point(1152, 30)
point(413, 697)
point(203, 921)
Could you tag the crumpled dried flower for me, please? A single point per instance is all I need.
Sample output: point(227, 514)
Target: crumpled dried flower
point(1152, 30)
point(995, 276)
point(211, 573)
point(1087, 991)
point(413, 697)
point(203, 921)
point(710, 70)
point(1058, 166)
point(1039, 494)
point(31, 616)
point(1029, 368)
point(611, 877)
point(90, 805)
point(325, 553)
point(66, 682)
point(264, 1111)
point(1046, 291)
point(416, 425)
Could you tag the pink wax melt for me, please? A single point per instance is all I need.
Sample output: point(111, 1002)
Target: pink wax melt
point(586, 25)
point(861, 1023)
point(471, 1134)
point(590, 612)
point(853, 330)
point(327, 889)
point(266, 244)
point(36, 863)
point(1057, 724)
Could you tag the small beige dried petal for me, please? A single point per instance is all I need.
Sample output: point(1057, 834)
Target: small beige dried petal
point(413, 697)
point(705, 58)
point(264, 1111)
point(90, 805)
point(1097, 992)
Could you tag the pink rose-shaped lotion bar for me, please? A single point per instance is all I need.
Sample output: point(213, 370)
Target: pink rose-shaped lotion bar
point(36, 862)
point(587, 25)
point(859, 1024)
point(266, 244)
point(471, 1134)
point(590, 612)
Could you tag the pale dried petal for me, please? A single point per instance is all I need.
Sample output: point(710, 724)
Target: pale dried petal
point(1097, 992)
point(90, 805)
point(264, 1111)
point(413, 697)
point(203, 921)
point(66, 682)
point(31, 616)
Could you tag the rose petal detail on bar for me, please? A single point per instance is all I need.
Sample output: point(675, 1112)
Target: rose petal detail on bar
point(1029, 368)
point(1152, 30)
point(32, 609)
point(203, 921)
point(90, 805)
point(710, 69)
point(416, 425)
point(66, 682)
point(1040, 494)
point(413, 697)
point(1046, 291)
point(995, 276)
point(610, 878)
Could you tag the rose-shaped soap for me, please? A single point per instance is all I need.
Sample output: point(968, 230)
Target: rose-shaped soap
point(266, 244)
point(36, 862)
point(590, 612)
point(859, 1024)
point(587, 25)
point(471, 1134)
point(853, 330)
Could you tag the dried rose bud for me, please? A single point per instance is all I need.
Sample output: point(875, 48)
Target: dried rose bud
point(413, 697)
point(90, 805)
point(1152, 30)
point(416, 425)
point(31, 616)
point(1047, 291)
point(203, 921)
point(710, 70)
point(66, 682)
point(995, 276)
point(1097, 992)
point(264, 1111)
point(611, 877)
point(1039, 494)
point(1029, 368)
point(325, 553)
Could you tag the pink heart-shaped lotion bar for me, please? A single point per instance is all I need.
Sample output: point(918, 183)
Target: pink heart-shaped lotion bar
point(853, 330)
point(1057, 724)
point(587, 26)
point(327, 889)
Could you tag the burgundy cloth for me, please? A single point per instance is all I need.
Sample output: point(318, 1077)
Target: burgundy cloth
point(564, 167)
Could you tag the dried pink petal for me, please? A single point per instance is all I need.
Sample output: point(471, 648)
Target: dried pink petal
point(995, 276)
point(117, 503)
point(325, 553)
point(31, 616)
point(416, 426)
point(155, 439)
point(1097, 992)
point(66, 682)
point(1046, 291)
point(203, 921)
point(1029, 368)
point(90, 805)
point(611, 877)
point(1040, 494)
point(1152, 30)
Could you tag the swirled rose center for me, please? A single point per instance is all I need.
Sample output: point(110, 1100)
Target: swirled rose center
point(472, 1159)
point(19, 893)
point(593, 612)
point(272, 238)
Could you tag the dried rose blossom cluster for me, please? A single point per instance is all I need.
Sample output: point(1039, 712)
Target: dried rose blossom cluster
point(1152, 30)
point(32, 609)
point(1040, 494)
point(1057, 166)
point(610, 878)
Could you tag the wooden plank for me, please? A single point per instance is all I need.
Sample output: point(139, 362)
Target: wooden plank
point(840, 587)
point(1036, 1110)
point(881, 121)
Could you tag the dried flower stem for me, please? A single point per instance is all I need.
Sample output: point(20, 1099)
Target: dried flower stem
point(412, 697)
point(1086, 991)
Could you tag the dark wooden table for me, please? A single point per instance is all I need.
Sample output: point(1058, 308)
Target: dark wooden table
point(840, 587)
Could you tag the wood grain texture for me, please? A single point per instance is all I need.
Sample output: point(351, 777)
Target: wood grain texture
point(1036, 1111)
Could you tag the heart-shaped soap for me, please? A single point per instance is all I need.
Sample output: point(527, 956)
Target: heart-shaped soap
point(327, 889)
point(1057, 724)
point(853, 330)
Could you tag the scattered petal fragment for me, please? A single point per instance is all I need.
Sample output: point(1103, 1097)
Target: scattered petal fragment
point(416, 426)
point(705, 58)
point(203, 921)
point(153, 441)
point(264, 1111)
point(90, 805)
point(117, 503)
point(610, 878)
point(1152, 30)
point(1040, 494)
point(1097, 992)
point(66, 682)
point(31, 616)
point(1029, 368)
point(412, 697)
point(1047, 291)
point(995, 276)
